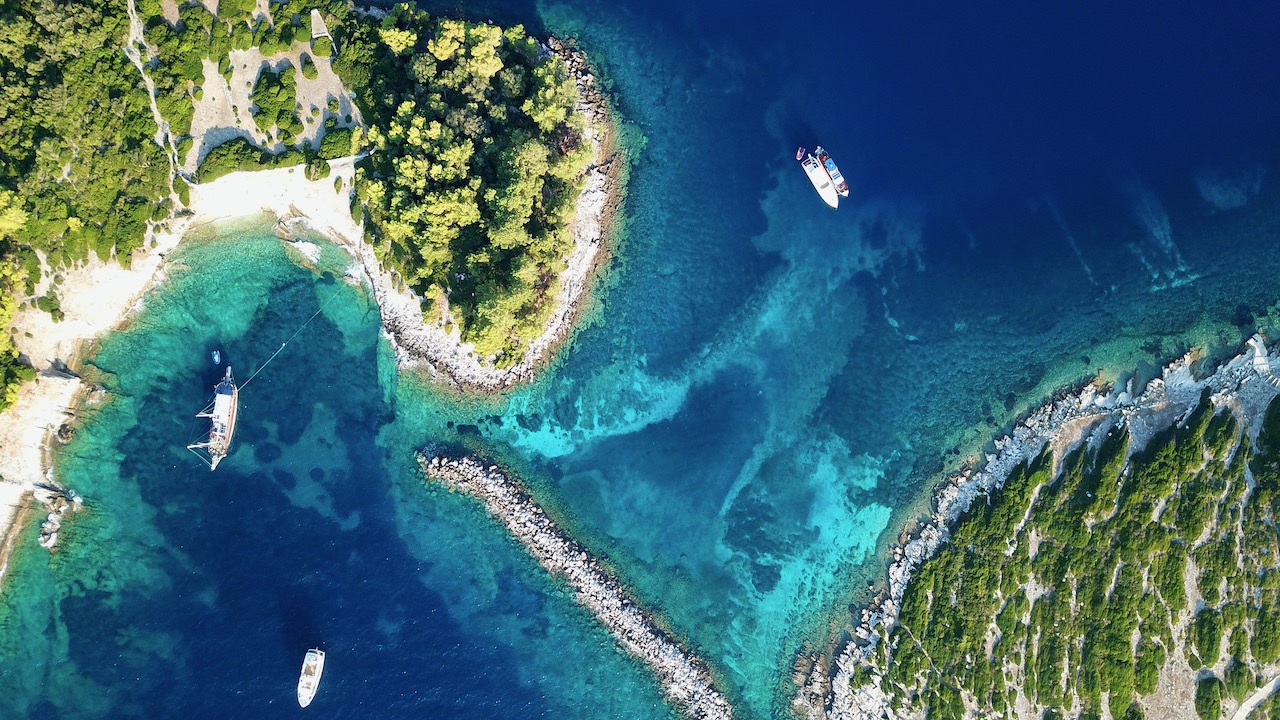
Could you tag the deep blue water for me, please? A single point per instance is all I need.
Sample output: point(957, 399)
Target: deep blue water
point(1040, 194)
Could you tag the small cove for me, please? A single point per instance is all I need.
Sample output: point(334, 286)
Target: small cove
point(207, 585)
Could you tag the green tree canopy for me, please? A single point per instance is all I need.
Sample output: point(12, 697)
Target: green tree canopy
point(471, 183)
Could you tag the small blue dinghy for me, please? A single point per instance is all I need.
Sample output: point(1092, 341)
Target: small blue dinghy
point(217, 358)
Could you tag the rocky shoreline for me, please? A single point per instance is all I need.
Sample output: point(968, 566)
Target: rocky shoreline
point(683, 676)
point(1245, 383)
point(442, 352)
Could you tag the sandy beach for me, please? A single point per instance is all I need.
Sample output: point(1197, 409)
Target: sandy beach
point(100, 296)
point(95, 298)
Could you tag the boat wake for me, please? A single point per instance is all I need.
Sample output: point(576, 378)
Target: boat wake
point(1071, 239)
point(1152, 216)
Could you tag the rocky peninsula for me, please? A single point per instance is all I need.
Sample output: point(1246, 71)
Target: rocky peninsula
point(851, 685)
point(684, 677)
point(441, 350)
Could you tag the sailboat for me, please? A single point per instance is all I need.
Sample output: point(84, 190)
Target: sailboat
point(309, 681)
point(221, 412)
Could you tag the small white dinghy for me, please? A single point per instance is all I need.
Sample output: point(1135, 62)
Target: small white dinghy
point(312, 669)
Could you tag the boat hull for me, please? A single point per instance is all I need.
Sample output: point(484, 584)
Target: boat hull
point(222, 414)
point(309, 680)
point(821, 180)
point(219, 450)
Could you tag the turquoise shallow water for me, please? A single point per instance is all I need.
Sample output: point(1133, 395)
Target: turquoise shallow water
point(186, 592)
point(766, 388)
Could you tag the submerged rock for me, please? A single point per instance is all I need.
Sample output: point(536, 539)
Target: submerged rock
point(59, 503)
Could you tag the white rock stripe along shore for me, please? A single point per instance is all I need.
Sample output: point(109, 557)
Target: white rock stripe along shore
point(1243, 383)
point(683, 676)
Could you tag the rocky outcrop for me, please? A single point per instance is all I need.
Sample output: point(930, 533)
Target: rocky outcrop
point(59, 503)
point(683, 676)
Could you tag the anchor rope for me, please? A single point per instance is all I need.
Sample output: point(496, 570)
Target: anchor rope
point(203, 459)
point(291, 337)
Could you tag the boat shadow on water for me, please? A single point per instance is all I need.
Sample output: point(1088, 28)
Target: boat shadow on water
point(298, 628)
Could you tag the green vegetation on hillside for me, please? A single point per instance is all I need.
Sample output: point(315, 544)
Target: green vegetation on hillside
point(274, 97)
point(180, 53)
point(239, 154)
point(473, 176)
point(71, 115)
point(1076, 590)
point(80, 171)
point(181, 49)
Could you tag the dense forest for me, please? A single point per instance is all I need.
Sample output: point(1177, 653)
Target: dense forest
point(473, 151)
point(472, 178)
point(1111, 580)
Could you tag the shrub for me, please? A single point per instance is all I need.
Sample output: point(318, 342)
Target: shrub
point(239, 154)
point(1209, 698)
point(336, 143)
point(274, 97)
point(317, 169)
point(1206, 633)
point(1238, 679)
point(49, 303)
point(309, 70)
point(184, 147)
